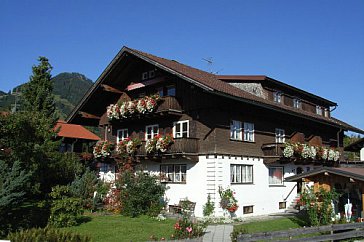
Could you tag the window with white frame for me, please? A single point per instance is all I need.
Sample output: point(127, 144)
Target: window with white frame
point(319, 110)
point(121, 135)
point(173, 173)
point(277, 97)
point(181, 129)
point(171, 91)
point(151, 131)
point(280, 136)
point(235, 130)
point(249, 132)
point(297, 103)
point(276, 175)
point(240, 174)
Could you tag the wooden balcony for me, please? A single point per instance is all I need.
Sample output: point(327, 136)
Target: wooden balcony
point(182, 146)
point(273, 149)
point(169, 104)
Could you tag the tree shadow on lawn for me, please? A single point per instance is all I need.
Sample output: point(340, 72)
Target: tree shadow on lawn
point(83, 219)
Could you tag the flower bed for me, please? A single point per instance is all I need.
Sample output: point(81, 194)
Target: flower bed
point(147, 104)
point(304, 151)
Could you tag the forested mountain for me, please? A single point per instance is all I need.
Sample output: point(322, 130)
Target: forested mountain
point(68, 89)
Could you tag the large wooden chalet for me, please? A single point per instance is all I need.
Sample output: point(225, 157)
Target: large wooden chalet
point(227, 130)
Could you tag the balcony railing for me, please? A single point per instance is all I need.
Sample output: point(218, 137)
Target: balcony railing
point(273, 149)
point(181, 146)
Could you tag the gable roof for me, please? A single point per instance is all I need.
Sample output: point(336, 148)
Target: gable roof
point(74, 131)
point(210, 83)
point(351, 172)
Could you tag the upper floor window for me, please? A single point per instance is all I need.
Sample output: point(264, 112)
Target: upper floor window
point(297, 103)
point(121, 135)
point(160, 91)
point(181, 129)
point(171, 91)
point(148, 75)
point(249, 132)
point(173, 173)
point(235, 130)
point(151, 131)
point(319, 110)
point(275, 175)
point(280, 136)
point(277, 97)
point(241, 173)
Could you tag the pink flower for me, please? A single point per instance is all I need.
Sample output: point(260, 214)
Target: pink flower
point(189, 229)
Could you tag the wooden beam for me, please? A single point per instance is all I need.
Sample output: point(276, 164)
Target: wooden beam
point(108, 88)
point(88, 115)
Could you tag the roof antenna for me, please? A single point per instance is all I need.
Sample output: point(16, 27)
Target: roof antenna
point(209, 62)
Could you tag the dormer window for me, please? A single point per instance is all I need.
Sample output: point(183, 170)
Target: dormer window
point(319, 110)
point(277, 97)
point(297, 103)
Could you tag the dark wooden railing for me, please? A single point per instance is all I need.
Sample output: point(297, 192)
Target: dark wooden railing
point(169, 103)
point(180, 146)
point(273, 149)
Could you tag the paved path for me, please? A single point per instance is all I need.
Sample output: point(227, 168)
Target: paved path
point(218, 233)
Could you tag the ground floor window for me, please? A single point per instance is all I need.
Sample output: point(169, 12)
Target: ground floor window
point(105, 167)
point(240, 174)
point(275, 175)
point(247, 209)
point(173, 173)
point(282, 205)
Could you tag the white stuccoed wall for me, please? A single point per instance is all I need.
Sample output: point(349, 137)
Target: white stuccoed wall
point(205, 177)
point(362, 154)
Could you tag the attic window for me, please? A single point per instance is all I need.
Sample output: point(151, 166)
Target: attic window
point(277, 97)
point(148, 75)
point(145, 75)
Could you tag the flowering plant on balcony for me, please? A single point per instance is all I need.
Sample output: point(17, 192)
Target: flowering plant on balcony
point(128, 146)
point(304, 151)
point(163, 143)
point(228, 200)
point(127, 109)
point(159, 143)
point(103, 149)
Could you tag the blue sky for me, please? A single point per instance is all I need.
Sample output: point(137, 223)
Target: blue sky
point(314, 45)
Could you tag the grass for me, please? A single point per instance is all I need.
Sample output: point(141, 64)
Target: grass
point(120, 228)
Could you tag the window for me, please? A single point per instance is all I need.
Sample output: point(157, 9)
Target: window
point(181, 129)
point(277, 97)
point(145, 76)
point(241, 173)
point(121, 135)
point(275, 175)
point(171, 91)
point(318, 110)
point(280, 136)
point(247, 209)
point(151, 74)
point(282, 205)
point(151, 131)
point(249, 132)
point(105, 168)
point(297, 103)
point(235, 130)
point(173, 173)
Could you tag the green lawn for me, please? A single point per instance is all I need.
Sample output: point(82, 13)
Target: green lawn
point(272, 225)
point(119, 228)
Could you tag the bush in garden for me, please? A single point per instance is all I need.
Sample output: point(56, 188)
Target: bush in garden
point(84, 188)
point(65, 209)
point(186, 228)
point(47, 234)
point(139, 193)
point(318, 206)
point(209, 207)
point(236, 232)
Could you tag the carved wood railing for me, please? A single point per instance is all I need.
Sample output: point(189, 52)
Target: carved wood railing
point(169, 103)
point(273, 149)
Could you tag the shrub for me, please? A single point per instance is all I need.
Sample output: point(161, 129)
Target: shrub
point(138, 192)
point(47, 234)
point(65, 209)
point(84, 187)
point(209, 207)
point(236, 232)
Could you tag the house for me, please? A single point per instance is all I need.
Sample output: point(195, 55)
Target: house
point(348, 182)
point(357, 146)
point(228, 131)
